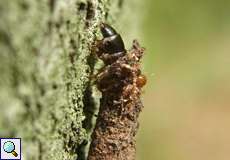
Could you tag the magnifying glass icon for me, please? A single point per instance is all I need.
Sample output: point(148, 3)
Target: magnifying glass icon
point(9, 147)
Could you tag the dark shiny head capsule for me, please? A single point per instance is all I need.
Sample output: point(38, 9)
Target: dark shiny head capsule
point(107, 30)
point(113, 42)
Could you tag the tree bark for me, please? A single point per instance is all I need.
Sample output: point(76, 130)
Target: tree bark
point(45, 69)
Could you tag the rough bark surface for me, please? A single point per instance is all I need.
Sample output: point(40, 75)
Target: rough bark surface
point(45, 64)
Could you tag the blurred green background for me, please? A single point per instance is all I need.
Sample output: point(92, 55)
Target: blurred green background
point(187, 98)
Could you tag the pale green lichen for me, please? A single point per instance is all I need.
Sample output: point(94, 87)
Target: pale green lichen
point(45, 69)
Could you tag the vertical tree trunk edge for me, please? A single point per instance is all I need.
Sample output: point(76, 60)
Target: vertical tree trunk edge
point(45, 72)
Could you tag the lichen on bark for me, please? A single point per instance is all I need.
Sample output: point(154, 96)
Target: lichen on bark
point(45, 69)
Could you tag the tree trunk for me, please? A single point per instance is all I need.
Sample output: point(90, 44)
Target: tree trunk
point(46, 64)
